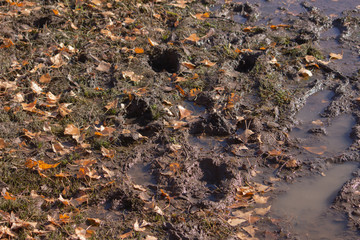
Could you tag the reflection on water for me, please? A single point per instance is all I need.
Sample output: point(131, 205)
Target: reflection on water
point(305, 206)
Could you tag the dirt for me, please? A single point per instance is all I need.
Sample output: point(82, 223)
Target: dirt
point(182, 146)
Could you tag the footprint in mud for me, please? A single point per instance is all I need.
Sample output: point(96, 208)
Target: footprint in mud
point(318, 135)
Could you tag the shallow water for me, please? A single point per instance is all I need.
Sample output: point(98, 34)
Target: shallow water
point(330, 136)
point(140, 175)
point(305, 206)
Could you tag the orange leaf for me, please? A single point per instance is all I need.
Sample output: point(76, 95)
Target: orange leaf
point(2, 143)
point(72, 130)
point(182, 92)
point(9, 196)
point(274, 152)
point(44, 166)
point(202, 16)
point(152, 43)
point(316, 150)
point(7, 43)
point(189, 65)
point(192, 38)
point(45, 78)
point(56, 12)
point(193, 92)
point(30, 163)
point(208, 63)
point(29, 107)
point(139, 50)
point(63, 110)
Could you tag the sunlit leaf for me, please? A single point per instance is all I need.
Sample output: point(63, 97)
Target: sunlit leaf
point(316, 150)
point(250, 230)
point(208, 63)
point(112, 104)
point(305, 73)
point(132, 76)
point(109, 153)
point(336, 56)
point(6, 43)
point(63, 110)
point(235, 221)
point(274, 152)
point(180, 3)
point(93, 221)
point(202, 16)
point(260, 200)
point(72, 130)
point(189, 65)
point(262, 211)
point(152, 43)
point(104, 67)
point(43, 166)
point(192, 38)
point(8, 196)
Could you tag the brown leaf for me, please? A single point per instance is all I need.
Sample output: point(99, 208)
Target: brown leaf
point(274, 153)
point(51, 99)
point(250, 230)
point(6, 43)
point(2, 143)
point(235, 221)
point(112, 104)
point(126, 235)
point(109, 153)
point(262, 211)
point(93, 221)
point(72, 130)
point(57, 60)
point(63, 110)
point(260, 200)
point(132, 76)
point(189, 65)
point(180, 3)
point(104, 67)
point(59, 148)
point(184, 113)
point(316, 150)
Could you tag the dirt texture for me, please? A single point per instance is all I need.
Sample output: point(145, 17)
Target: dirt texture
point(151, 131)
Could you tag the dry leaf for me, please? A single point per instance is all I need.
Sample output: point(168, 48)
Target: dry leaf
point(94, 221)
point(262, 211)
point(178, 124)
point(305, 73)
point(132, 76)
point(72, 130)
point(45, 78)
point(316, 150)
point(29, 106)
point(152, 43)
point(192, 38)
point(126, 235)
point(137, 228)
point(189, 65)
point(51, 99)
point(63, 110)
point(19, 97)
point(184, 113)
point(2, 143)
point(202, 16)
point(57, 60)
point(139, 50)
point(59, 148)
point(8, 196)
point(35, 87)
point(318, 122)
point(260, 200)
point(104, 67)
point(108, 173)
point(43, 166)
point(250, 230)
point(112, 104)
point(129, 20)
point(336, 56)
point(109, 153)
point(180, 3)
point(235, 221)
point(274, 152)
point(148, 237)
point(208, 63)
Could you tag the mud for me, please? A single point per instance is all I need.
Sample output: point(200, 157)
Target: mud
point(197, 146)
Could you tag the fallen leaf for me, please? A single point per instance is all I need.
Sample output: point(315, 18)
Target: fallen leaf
point(63, 110)
point(139, 50)
point(104, 67)
point(192, 38)
point(336, 56)
point(112, 104)
point(184, 113)
point(8, 196)
point(6, 43)
point(108, 173)
point(208, 63)
point(93, 221)
point(72, 130)
point(137, 228)
point(45, 78)
point(2, 143)
point(43, 166)
point(235, 221)
point(250, 230)
point(189, 65)
point(305, 73)
point(51, 99)
point(109, 153)
point(152, 43)
point(202, 16)
point(19, 97)
point(29, 106)
point(59, 148)
point(274, 152)
point(180, 3)
point(64, 201)
point(262, 211)
point(316, 150)
point(129, 20)
point(132, 76)
point(148, 237)
point(260, 200)
point(126, 235)
point(35, 87)
point(57, 60)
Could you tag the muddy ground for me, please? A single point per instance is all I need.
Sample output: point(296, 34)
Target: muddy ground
point(117, 122)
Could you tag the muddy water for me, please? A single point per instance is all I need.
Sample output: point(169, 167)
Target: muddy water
point(140, 175)
point(319, 135)
point(305, 206)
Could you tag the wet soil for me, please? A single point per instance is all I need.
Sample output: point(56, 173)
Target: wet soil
point(194, 137)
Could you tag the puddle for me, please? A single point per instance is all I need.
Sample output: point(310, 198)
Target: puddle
point(305, 207)
point(321, 135)
point(140, 175)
